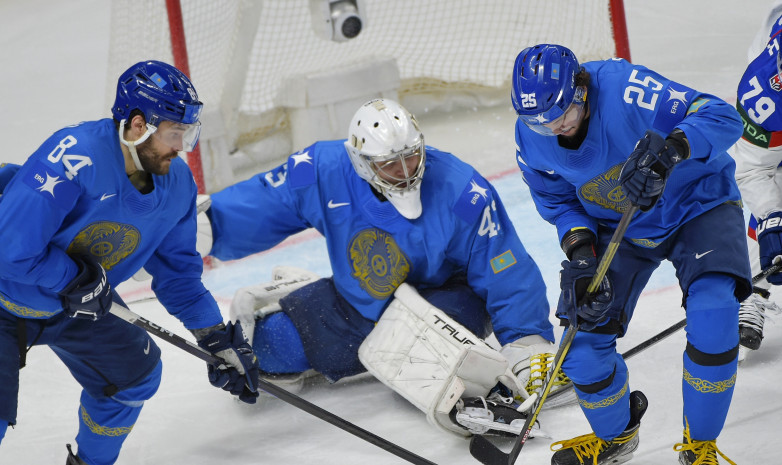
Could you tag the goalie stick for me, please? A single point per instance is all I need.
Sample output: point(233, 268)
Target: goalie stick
point(128, 315)
point(480, 447)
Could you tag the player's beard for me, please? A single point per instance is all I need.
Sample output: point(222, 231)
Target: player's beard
point(152, 161)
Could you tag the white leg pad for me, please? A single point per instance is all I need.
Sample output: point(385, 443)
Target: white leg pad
point(430, 359)
point(253, 302)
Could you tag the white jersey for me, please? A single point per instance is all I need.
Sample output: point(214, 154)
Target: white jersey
point(758, 153)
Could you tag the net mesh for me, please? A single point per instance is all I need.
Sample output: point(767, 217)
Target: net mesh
point(440, 46)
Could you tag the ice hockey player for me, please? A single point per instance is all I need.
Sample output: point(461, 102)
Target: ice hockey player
point(758, 156)
point(426, 264)
point(592, 140)
point(89, 208)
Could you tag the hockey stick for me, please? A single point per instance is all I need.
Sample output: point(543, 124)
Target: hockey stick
point(131, 317)
point(491, 455)
point(480, 447)
point(677, 326)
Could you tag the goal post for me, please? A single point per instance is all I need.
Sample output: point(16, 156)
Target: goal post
point(271, 83)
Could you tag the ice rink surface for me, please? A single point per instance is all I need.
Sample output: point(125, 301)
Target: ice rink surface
point(54, 57)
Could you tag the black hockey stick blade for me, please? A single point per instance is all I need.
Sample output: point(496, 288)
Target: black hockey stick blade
point(489, 454)
point(486, 452)
point(128, 315)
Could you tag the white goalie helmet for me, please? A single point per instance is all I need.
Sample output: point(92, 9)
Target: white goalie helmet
point(387, 150)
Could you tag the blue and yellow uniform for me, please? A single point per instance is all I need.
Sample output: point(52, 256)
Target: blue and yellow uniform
point(463, 240)
point(82, 202)
point(576, 185)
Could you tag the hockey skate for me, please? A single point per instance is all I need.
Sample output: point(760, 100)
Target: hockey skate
point(493, 415)
point(590, 449)
point(699, 452)
point(72, 459)
point(561, 392)
point(752, 316)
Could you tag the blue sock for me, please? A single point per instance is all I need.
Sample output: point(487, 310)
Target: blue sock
point(105, 423)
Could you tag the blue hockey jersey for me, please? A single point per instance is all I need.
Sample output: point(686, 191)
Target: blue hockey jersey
point(464, 228)
point(580, 187)
point(72, 196)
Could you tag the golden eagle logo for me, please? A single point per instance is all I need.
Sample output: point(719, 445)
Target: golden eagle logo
point(108, 242)
point(605, 191)
point(378, 263)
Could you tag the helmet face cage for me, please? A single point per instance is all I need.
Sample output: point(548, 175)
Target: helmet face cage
point(162, 93)
point(386, 146)
point(543, 84)
point(393, 171)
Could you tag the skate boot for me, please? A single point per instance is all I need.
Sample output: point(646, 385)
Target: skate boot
point(493, 415)
point(699, 452)
point(752, 316)
point(561, 392)
point(72, 459)
point(590, 449)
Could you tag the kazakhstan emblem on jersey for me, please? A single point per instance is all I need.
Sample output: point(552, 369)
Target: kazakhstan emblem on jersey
point(108, 242)
point(604, 190)
point(378, 263)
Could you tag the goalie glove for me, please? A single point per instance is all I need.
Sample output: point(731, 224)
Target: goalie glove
point(531, 358)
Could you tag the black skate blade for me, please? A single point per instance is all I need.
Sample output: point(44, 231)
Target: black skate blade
point(487, 453)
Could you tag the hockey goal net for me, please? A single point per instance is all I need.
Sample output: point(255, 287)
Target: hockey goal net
point(240, 53)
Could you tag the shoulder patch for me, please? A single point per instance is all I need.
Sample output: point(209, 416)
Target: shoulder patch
point(676, 100)
point(473, 199)
point(503, 261)
point(301, 169)
point(51, 185)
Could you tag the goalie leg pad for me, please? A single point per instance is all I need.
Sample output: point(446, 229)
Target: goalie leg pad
point(255, 302)
point(430, 359)
point(278, 345)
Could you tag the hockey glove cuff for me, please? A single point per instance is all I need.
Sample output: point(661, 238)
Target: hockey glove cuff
point(89, 294)
point(769, 232)
point(577, 305)
point(239, 374)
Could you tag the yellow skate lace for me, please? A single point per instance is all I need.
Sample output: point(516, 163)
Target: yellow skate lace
point(705, 451)
point(539, 366)
point(589, 445)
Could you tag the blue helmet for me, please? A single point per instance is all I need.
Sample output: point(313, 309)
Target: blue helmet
point(158, 90)
point(544, 84)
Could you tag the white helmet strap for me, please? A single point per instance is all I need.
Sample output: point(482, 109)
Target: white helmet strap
point(132, 145)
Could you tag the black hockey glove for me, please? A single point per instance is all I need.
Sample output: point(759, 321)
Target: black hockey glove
point(239, 375)
point(646, 171)
point(89, 294)
point(770, 243)
point(578, 306)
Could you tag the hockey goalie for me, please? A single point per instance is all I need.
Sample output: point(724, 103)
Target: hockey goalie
point(426, 265)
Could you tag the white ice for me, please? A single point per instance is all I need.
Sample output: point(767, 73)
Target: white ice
point(54, 59)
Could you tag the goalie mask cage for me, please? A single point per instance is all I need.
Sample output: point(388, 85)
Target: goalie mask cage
point(240, 54)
